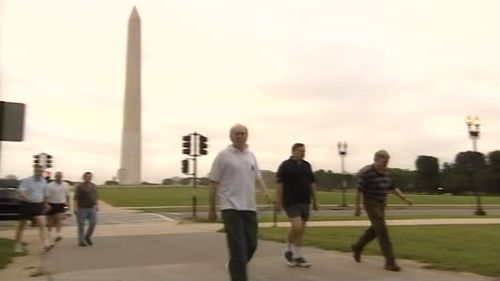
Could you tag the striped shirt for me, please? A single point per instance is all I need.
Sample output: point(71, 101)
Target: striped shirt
point(374, 184)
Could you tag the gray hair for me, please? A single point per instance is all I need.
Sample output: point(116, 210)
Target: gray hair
point(237, 126)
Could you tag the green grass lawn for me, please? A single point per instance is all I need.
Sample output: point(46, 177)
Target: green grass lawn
point(459, 248)
point(7, 252)
point(152, 196)
point(140, 196)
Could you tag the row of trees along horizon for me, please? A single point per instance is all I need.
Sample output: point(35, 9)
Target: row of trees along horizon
point(471, 170)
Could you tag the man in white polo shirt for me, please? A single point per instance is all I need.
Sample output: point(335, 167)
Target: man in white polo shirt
point(58, 194)
point(33, 192)
point(233, 177)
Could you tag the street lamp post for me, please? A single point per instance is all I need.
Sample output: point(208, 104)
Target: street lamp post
point(473, 126)
point(342, 149)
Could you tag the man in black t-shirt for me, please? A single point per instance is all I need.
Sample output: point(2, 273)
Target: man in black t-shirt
point(295, 193)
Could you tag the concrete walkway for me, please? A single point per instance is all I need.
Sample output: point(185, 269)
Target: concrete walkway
point(166, 250)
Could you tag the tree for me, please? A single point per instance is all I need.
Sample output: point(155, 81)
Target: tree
point(465, 161)
point(494, 160)
point(167, 182)
point(468, 173)
point(427, 173)
point(110, 182)
point(11, 177)
point(403, 178)
point(492, 181)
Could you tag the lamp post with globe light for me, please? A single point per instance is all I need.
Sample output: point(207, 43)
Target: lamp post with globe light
point(342, 149)
point(473, 125)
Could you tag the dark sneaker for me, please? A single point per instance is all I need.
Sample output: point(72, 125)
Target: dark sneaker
point(289, 257)
point(301, 262)
point(392, 267)
point(47, 248)
point(89, 242)
point(82, 244)
point(356, 252)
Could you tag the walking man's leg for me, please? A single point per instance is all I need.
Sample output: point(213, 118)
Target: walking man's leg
point(18, 247)
point(237, 244)
point(298, 219)
point(385, 244)
point(80, 219)
point(376, 213)
point(251, 229)
point(373, 212)
point(42, 230)
point(58, 225)
point(92, 217)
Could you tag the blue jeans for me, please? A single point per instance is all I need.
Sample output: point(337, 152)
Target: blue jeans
point(83, 214)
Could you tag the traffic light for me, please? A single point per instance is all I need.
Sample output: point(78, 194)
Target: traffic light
point(186, 144)
point(49, 161)
point(185, 166)
point(36, 159)
point(203, 145)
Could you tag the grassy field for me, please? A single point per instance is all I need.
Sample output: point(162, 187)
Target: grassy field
point(458, 248)
point(7, 252)
point(182, 196)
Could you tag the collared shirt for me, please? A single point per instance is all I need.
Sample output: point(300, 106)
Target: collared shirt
point(236, 171)
point(374, 184)
point(35, 189)
point(57, 193)
point(297, 178)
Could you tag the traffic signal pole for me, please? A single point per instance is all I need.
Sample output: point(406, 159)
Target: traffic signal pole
point(195, 156)
point(194, 145)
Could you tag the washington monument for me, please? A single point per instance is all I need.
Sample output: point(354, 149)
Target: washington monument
point(130, 170)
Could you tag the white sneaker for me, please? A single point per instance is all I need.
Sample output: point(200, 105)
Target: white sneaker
point(18, 248)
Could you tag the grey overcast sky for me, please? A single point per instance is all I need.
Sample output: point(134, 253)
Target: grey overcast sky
point(399, 75)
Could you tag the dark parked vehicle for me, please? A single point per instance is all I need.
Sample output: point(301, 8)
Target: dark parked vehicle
point(9, 200)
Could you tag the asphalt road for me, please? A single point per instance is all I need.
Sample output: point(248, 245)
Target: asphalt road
point(335, 211)
point(202, 256)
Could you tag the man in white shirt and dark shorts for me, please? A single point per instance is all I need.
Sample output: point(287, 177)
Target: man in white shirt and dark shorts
point(33, 194)
point(58, 194)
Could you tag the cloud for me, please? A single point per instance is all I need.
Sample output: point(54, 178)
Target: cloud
point(399, 75)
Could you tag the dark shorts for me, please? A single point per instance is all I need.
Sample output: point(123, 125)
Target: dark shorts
point(29, 210)
point(56, 209)
point(299, 210)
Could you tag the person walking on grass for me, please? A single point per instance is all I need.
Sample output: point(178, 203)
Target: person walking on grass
point(33, 194)
point(233, 177)
point(58, 197)
point(86, 207)
point(295, 192)
point(373, 185)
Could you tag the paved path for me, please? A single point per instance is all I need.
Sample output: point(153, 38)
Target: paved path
point(139, 246)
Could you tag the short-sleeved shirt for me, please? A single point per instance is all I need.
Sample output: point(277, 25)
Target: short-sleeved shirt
point(297, 178)
point(58, 192)
point(236, 171)
point(374, 184)
point(35, 189)
point(86, 195)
